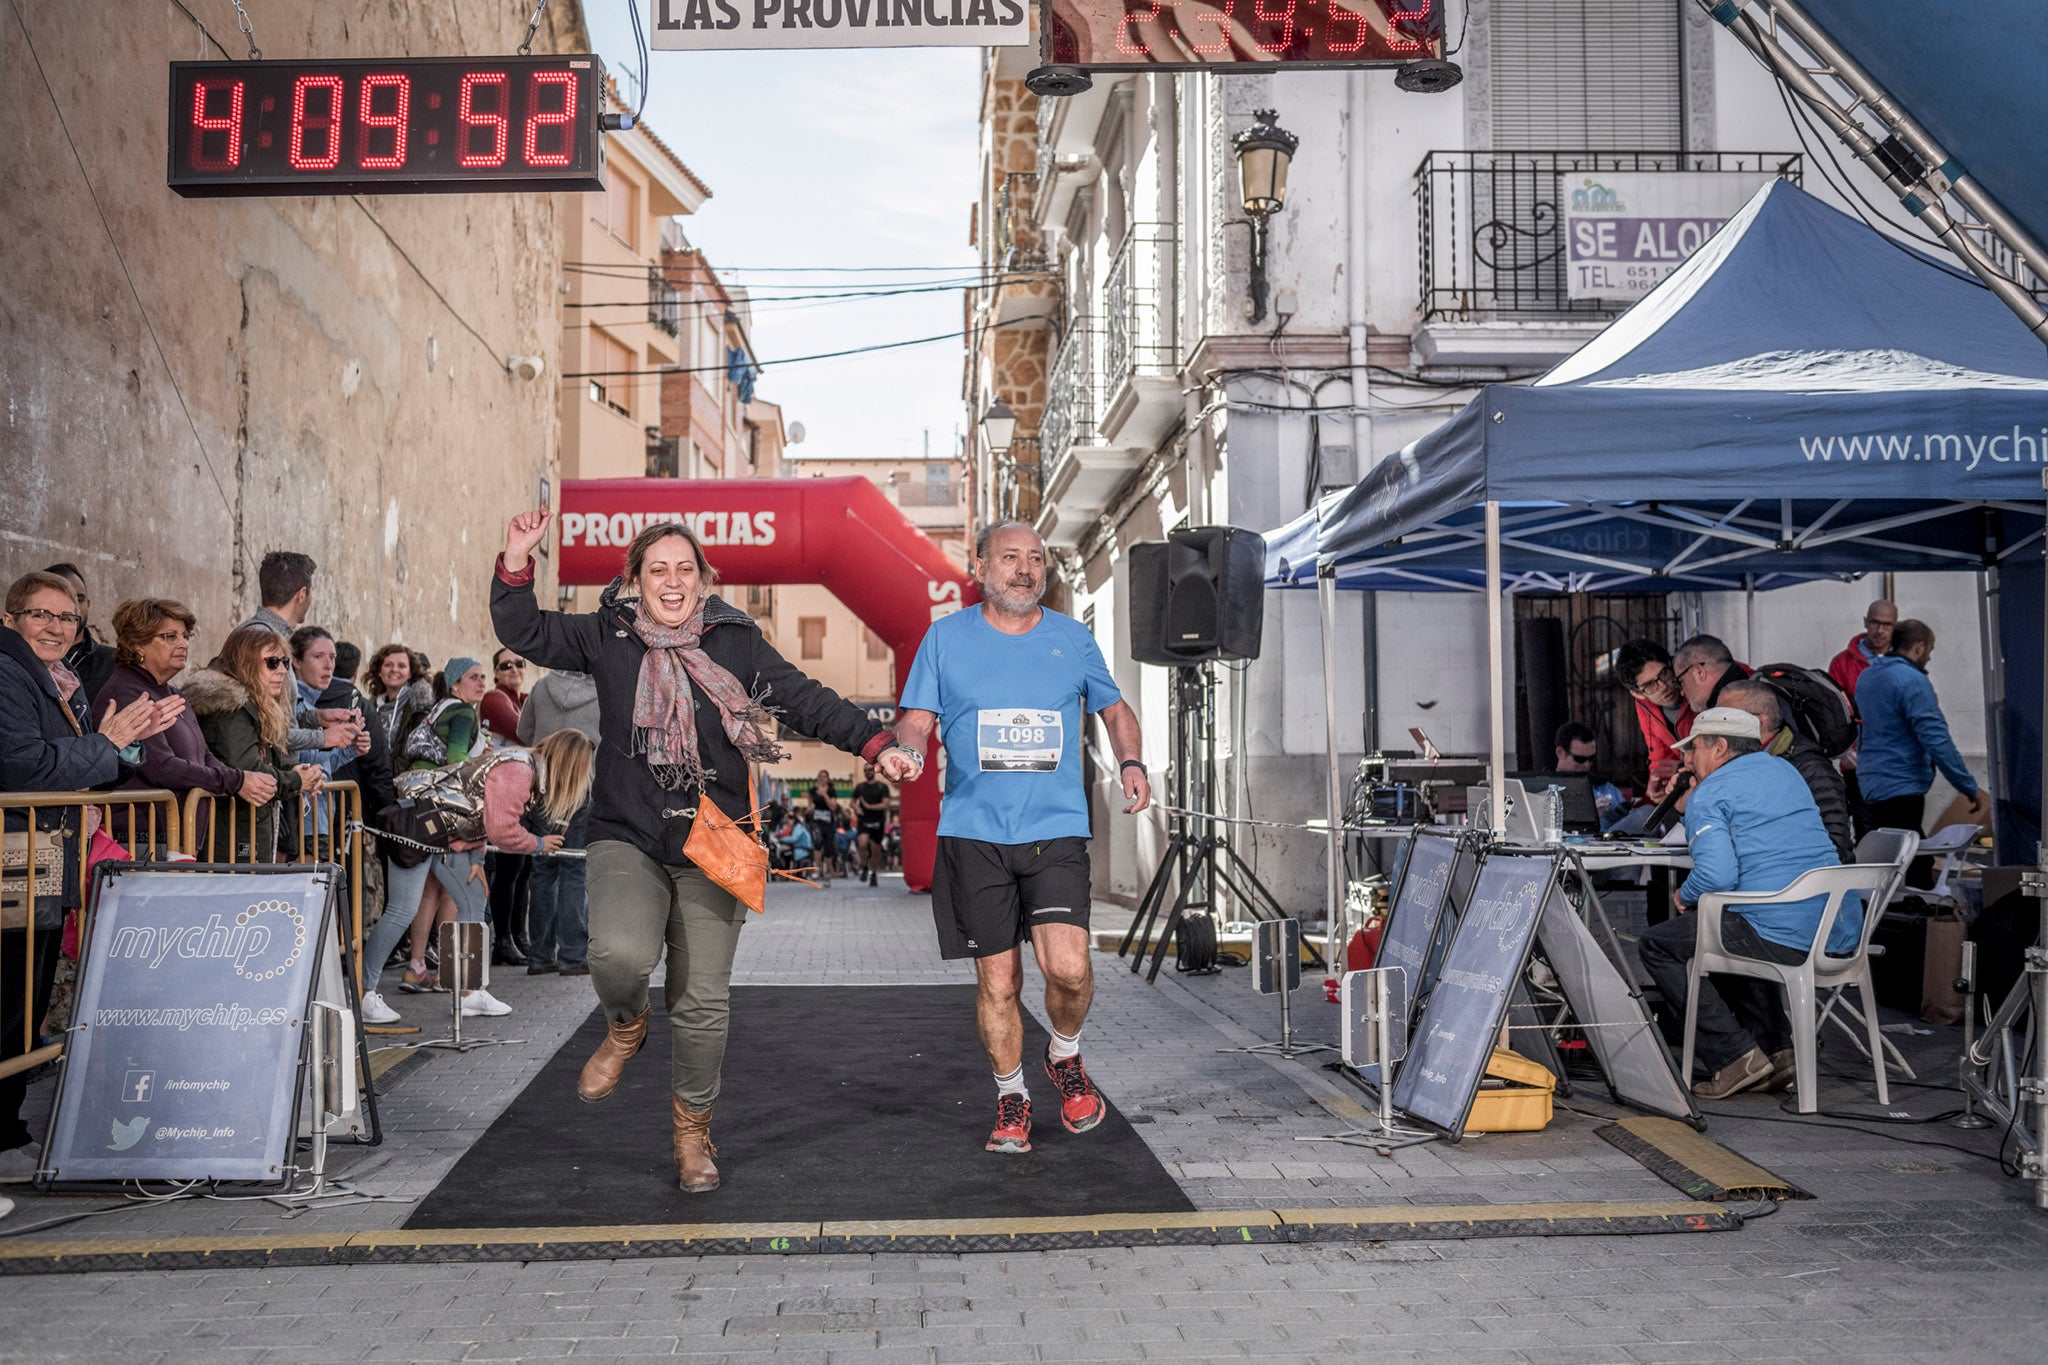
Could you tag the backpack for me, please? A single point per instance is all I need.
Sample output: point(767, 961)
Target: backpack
point(1820, 709)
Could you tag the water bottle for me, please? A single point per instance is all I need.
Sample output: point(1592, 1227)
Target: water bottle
point(1550, 816)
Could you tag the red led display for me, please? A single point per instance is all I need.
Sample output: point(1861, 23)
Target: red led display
point(436, 124)
point(1154, 35)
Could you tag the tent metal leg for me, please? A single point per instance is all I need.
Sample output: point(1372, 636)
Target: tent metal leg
point(1333, 888)
point(1994, 686)
point(1496, 694)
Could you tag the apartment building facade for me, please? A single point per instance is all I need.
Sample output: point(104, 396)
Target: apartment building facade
point(1416, 256)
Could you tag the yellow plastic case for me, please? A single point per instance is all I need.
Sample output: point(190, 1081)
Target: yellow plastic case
point(1515, 1097)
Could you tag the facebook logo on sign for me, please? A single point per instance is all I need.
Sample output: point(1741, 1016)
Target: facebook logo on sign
point(137, 1086)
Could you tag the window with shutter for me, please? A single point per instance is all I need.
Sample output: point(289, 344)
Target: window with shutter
point(1587, 75)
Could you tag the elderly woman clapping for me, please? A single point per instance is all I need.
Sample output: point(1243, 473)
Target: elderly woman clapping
point(48, 743)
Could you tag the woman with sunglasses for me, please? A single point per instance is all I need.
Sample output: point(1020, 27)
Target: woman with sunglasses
point(239, 699)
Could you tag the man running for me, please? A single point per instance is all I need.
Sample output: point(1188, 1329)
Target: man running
point(871, 820)
point(1007, 687)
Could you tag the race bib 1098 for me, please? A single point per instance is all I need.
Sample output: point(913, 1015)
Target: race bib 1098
point(1014, 740)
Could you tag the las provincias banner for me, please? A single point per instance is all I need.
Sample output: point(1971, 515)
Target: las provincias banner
point(698, 25)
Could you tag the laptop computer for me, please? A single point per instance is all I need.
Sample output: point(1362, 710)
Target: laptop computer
point(1581, 814)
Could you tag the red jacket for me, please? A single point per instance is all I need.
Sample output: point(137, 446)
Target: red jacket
point(1659, 734)
point(1848, 666)
point(500, 709)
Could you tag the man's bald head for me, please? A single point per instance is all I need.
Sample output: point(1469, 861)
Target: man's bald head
point(1761, 701)
point(1878, 623)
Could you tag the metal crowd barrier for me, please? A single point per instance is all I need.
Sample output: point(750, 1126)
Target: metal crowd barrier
point(330, 829)
point(33, 861)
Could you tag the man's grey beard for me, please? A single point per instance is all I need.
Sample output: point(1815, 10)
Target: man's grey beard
point(1010, 602)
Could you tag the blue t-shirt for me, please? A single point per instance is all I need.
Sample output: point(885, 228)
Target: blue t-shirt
point(1011, 709)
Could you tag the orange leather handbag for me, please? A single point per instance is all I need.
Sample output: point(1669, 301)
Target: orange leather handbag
point(728, 852)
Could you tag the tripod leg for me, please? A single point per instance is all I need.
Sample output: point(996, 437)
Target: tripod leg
point(1148, 906)
point(1173, 918)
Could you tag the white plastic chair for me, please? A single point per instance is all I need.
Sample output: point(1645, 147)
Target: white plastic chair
point(1896, 849)
point(1801, 980)
point(1953, 844)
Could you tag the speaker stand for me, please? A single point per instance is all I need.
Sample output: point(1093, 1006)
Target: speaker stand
point(1197, 853)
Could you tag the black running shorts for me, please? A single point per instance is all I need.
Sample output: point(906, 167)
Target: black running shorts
point(987, 897)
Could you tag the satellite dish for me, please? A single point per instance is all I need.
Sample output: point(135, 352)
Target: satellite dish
point(796, 433)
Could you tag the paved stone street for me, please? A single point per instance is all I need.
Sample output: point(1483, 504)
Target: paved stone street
point(1906, 1253)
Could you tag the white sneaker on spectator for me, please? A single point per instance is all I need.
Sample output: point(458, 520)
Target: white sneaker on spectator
point(483, 1002)
point(18, 1164)
point(375, 1011)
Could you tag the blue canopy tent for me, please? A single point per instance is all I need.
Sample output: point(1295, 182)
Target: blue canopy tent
point(1898, 401)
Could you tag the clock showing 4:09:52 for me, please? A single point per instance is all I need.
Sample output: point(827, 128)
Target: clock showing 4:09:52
point(408, 125)
point(1152, 35)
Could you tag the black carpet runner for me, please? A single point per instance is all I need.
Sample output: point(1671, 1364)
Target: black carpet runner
point(840, 1102)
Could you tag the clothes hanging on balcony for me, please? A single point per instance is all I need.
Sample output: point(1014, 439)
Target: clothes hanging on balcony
point(741, 370)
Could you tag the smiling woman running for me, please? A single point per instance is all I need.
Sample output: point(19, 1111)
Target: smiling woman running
point(686, 687)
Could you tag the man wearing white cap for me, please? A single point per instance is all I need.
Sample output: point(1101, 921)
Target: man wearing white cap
point(1750, 825)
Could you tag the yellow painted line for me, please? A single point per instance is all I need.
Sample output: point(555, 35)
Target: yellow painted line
point(1220, 1221)
point(14, 1249)
point(1403, 1215)
point(384, 1058)
point(1343, 1108)
point(634, 1232)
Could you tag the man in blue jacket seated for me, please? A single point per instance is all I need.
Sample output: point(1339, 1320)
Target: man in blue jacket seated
point(1751, 825)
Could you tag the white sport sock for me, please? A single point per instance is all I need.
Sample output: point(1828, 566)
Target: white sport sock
point(1063, 1047)
point(1012, 1084)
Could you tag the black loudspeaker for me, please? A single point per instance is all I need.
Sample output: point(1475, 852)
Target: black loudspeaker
point(1199, 596)
point(1546, 697)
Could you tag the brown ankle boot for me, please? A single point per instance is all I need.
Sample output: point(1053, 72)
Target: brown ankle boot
point(694, 1169)
point(601, 1073)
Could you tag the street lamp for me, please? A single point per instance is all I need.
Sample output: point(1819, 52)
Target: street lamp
point(998, 426)
point(1264, 151)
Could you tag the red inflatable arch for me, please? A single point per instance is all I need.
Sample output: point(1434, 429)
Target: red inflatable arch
point(840, 533)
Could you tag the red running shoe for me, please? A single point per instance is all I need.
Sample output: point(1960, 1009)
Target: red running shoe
point(1013, 1124)
point(1081, 1104)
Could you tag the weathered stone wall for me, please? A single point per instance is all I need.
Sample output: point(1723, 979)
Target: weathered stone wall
point(192, 382)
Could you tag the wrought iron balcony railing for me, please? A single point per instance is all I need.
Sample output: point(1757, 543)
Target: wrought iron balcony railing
point(1138, 333)
point(664, 303)
point(1074, 391)
point(1491, 226)
point(1018, 484)
point(1020, 242)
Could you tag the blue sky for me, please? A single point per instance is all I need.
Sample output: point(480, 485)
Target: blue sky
point(843, 158)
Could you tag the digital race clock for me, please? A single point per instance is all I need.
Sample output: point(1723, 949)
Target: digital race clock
point(424, 125)
point(1185, 35)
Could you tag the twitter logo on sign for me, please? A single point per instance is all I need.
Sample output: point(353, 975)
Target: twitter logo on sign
point(127, 1134)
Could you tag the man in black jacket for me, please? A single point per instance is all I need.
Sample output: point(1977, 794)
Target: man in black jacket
point(1823, 779)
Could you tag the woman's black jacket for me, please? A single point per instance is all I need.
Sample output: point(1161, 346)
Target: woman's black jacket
point(626, 802)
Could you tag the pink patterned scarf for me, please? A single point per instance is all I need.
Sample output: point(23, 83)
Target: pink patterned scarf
point(665, 712)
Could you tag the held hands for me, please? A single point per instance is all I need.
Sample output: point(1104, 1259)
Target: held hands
point(311, 775)
point(522, 534)
point(900, 764)
point(258, 789)
point(1137, 790)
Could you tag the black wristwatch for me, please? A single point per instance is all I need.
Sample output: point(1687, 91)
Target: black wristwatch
point(1130, 763)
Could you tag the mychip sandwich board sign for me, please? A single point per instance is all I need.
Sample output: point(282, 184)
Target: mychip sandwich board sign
point(1449, 1048)
point(1434, 868)
point(190, 1033)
